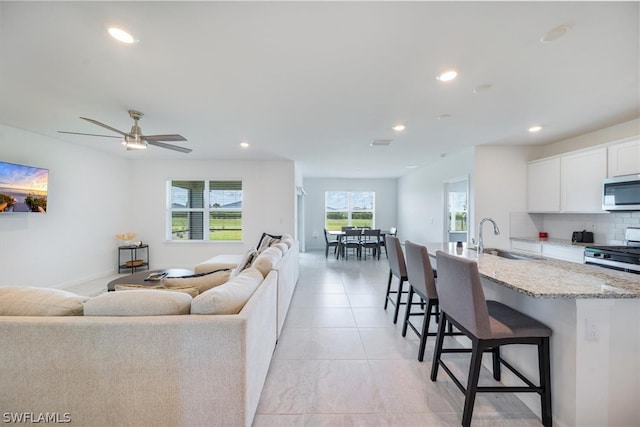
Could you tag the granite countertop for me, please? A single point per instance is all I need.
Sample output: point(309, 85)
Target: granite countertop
point(559, 242)
point(548, 278)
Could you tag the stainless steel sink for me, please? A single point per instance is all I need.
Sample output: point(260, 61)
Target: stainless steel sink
point(510, 255)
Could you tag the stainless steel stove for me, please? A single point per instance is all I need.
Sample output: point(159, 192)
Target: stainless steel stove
point(623, 258)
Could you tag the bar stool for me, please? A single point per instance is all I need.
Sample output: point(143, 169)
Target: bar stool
point(398, 269)
point(422, 281)
point(489, 325)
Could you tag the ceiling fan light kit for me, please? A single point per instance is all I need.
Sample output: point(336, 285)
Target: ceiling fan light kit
point(135, 140)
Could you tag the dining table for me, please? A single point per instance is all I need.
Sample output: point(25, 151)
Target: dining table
point(341, 233)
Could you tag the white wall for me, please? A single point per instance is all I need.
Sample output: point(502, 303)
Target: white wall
point(386, 200)
point(421, 199)
point(89, 201)
point(269, 194)
point(500, 184)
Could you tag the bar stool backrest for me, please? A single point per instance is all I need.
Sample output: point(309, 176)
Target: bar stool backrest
point(419, 270)
point(460, 294)
point(396, 257)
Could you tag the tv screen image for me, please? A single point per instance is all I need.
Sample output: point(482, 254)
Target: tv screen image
point(23, 188)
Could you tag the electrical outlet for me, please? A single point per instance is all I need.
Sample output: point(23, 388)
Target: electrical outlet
point(592, 228)
point(592, 330)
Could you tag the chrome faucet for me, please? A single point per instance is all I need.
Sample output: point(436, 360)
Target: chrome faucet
point(496, 231)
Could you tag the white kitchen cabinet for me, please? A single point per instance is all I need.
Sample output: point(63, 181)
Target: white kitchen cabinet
point(566, 253)
point(543, 186)
point(624, 158)
point(581, 180)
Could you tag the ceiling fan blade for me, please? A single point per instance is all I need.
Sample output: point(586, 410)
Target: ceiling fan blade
point(89, 134)
point(170, 147)
point(172, 137)
point(95, 122)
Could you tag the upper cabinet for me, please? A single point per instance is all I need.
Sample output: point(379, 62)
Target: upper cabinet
point(581, 176)
point(568, 183)
point(624, 158)
point(544, 185)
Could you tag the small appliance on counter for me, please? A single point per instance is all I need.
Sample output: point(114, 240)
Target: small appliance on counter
point(623, 258)
point(583, 236)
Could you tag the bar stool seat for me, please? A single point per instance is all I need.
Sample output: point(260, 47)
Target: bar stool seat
point(489, 325)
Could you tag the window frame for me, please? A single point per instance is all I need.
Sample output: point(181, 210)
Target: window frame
point(350, 210)
point(205, 211)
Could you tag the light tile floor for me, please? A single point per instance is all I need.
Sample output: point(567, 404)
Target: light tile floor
point(341, 361)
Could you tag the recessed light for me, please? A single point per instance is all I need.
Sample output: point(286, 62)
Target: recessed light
point(381, 142)
point(244, 144)
point(444, 116)
point(443, 155)
point(447, 76)
point(534, 129)
point(399, 128)
point(411, 166)
point(121, 35)
point(555, 33)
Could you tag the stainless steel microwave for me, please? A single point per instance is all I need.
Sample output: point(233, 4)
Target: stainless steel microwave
point(621, 193)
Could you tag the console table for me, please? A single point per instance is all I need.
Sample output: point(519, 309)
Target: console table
point(128, 258)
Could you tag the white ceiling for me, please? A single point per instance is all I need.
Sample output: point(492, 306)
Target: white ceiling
point(317, 82)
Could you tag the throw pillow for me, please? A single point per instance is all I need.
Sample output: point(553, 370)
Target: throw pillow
point(32, 301)
point(245, 262)
point(191, 290)
point(230, 297)
point(287, 239)
point(139, 303)
point(267, 260)
point(267, 240)
point(282, 246)
point(203, 282)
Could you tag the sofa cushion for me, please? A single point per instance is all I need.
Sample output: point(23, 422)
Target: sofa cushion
point(138, 303)
point(203, 282)
point(230, 297)
point(287, 239)
point(218, 262)
point(267, 260)
point(191, 290)
point(266, 240)
point(32, 301)
point(282, 246)
point(245, 262)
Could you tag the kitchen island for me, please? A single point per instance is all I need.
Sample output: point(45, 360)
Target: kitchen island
point(595, 347)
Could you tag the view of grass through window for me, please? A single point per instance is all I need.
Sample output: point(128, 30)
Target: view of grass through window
point(349, 208)
point(219, 203)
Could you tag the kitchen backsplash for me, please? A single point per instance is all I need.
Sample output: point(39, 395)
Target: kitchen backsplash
point(607, 228)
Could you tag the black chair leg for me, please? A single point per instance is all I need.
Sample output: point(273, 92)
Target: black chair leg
point(472, 383)
point(408, 312)
point(386, 299)
point(437, 354)
point(398, 302)
point(544, 364)
point(425, 330)
point(496, 363)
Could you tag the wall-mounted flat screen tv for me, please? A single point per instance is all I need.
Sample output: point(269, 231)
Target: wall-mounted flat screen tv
point(23, 188)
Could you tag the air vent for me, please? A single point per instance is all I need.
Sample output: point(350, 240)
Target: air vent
point(381, 142)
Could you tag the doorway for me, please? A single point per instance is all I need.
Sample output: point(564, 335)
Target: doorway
point(456, 203)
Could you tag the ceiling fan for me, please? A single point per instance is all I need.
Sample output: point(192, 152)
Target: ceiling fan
point(135, 140)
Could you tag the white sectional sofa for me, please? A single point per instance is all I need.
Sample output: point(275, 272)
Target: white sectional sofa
point(145, 370)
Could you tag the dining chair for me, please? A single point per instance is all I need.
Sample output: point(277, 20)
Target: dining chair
point(393, 231)
point(371, 241)
point(397, 269)
point(351, 240)
point(330, 243)
point(489, 325)
point(346, 227)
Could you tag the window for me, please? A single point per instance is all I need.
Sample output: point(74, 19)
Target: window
point(349, 208)
point(205, 210)
point(457, 208)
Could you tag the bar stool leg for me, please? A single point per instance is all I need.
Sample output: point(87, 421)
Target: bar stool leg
point(425, 329)
point(544, 363)
point(398, 300)
point(496, 363)
point(408, 312)
point(472, 383)
point(437, 354)
point(386, 298)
